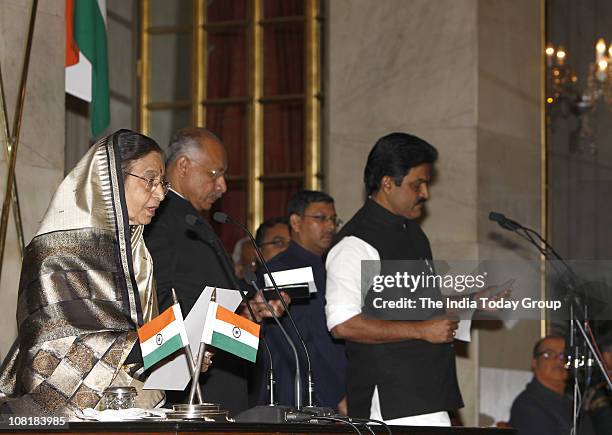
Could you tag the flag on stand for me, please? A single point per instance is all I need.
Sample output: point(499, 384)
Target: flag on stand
point(87, 58)
point(231, 332)
point(162, 336)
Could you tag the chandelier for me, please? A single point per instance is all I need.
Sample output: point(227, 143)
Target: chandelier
point(565, 97)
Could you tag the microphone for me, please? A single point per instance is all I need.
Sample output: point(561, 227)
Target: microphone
point(224, 218)
point(252, 280)
point(194, 222)
point(221, 217)
point(504, 222)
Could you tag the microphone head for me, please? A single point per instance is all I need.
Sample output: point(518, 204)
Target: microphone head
point(496, 217)
point(192, 220)
point(221, 217)
point(249, 276)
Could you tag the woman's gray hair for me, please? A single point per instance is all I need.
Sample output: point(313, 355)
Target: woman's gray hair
point(186, 141)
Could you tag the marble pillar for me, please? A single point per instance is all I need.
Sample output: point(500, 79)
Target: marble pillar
point(40, 158)
point(465, 76)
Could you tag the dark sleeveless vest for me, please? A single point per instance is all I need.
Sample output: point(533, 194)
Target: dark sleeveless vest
point(413, 377)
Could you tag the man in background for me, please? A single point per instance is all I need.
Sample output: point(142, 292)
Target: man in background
point(272, 236)
point(543, 408)
point(244, 257)
point(313, 222)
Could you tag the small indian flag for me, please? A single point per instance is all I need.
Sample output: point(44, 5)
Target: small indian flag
point(162, 336)
point(231, 332)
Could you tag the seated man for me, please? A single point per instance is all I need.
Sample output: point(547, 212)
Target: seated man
point(543, 407)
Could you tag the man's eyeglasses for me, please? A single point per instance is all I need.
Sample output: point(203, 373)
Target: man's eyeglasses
point(152, 183)
point(278, 242)
point(323, 219)
point(214, 174)
point(551, 354)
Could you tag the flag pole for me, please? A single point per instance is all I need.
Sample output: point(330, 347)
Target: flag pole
point(189, 356)
point(199, 411)
point(195, 380)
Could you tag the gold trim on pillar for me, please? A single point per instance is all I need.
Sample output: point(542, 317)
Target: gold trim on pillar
point(255, 149)
point(6, 138)
point(144, 67)
point(16, 134)
point(312, 106)
point(199, 63)
point(544, 227)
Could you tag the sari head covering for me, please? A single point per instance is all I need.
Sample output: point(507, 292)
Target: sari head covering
point(85, 279)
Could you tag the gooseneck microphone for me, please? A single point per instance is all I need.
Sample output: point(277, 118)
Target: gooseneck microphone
point(542, 245)
point(195, 223)
point(252, 280)
point(224, 218)
point(504, 222)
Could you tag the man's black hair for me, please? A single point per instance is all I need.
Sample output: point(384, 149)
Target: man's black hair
point(300, 201)
point(262, 230)
point(394, 155)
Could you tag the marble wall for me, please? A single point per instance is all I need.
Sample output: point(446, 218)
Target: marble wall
point(40, 158)
point(464, 75)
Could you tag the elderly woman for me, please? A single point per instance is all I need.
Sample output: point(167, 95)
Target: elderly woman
point(87, 282)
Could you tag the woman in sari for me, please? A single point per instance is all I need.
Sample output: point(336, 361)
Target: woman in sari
point(87, 282)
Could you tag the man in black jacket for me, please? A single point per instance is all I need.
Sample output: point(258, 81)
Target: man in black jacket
point(543, 408)
point(196, 166)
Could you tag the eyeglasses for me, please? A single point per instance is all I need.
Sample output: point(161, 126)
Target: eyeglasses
point(279, 242)
point(215, 174)
point(551, 354)
point(152, 183)
point(323, 219)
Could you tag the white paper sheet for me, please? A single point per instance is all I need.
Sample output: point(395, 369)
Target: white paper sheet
point(463, 332)
point(174, 374)
point(293, 276)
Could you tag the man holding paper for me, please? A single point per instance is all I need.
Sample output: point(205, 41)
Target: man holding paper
point(313, 223)
point(399, 371)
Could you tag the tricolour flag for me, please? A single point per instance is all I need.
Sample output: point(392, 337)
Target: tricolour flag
point(87, 58)
point(162, 336)
point(231, 332)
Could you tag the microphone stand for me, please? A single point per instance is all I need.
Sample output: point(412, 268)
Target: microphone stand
point(224, 218)
point(225, 262)
point(576, 311)
point(270, 413)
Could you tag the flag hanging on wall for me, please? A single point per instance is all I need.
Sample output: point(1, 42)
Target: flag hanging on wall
point(87, 58)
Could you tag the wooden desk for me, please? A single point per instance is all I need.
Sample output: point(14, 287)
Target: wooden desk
point(193, 428)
